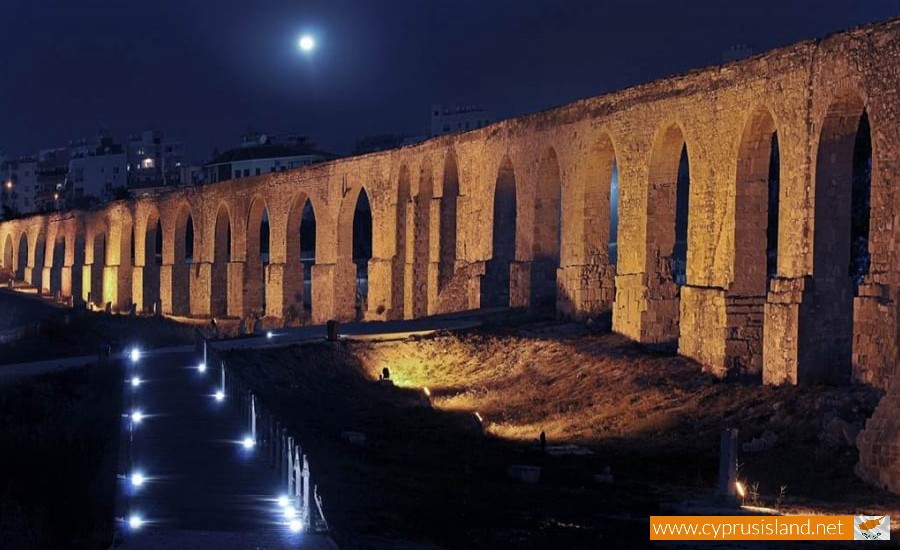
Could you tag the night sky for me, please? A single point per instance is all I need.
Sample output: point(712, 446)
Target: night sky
point(206, 71)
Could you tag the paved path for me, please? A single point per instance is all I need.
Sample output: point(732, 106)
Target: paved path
point(203, 489)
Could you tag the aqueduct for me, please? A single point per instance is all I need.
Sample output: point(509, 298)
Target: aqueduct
point(746, 211)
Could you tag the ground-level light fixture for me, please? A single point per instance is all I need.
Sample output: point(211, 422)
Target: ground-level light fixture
point(295, 525)
point(135, 381)
point(269, 334)
point(427, 391)
point(201, 367)
point(137, 417)
point(137, 479)
point(248, 442)
point(135, 355)
point(135, 521)
point(219, 395)
point(282, 501)
point(290, 512)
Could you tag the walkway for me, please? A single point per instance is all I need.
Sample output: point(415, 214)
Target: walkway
point(202, 488)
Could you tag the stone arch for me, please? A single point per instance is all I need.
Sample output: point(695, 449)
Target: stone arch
point(97, 246)
point(75, 261)
point(258, 247)
point(37, 257)
point(448, 208)
point(404, 251)
point(495, 285)
point(755, 212)
point(300, 257)
point(222, 254)
point(354, 247)
point(421, 250)
point(22, 257)
point(826, 316)
point(58, 260)
point(667, 222)
point(8, 254)
point(547, 231)
point(152, 260)
point(185, 247)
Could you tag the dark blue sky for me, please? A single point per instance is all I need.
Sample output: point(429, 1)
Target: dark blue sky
point(206, 71)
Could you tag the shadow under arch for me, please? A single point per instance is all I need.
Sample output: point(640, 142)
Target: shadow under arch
point(495, 285)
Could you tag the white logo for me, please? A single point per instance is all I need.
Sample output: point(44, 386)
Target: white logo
point(871, 527)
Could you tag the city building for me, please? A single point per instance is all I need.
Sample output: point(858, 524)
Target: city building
point(261, 154)
point(154, 161)
point(52, 175)
point(20, 185)
point(736, 52)
point(97, 170)
point(459, 118)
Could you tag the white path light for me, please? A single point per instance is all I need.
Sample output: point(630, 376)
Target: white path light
point(219, 395)
point(248, 442)
point(137, 417)
point(201, 367)
point(290, 512)
point(295, 525)
point(282, 501)
point(135, 381)
point(137, 479)
point(269, 334)
point(135, 355)
point(135, 521)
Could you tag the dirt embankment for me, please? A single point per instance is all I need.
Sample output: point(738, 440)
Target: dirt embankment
point(431, 472)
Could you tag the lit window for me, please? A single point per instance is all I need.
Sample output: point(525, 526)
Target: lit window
point(147, 163)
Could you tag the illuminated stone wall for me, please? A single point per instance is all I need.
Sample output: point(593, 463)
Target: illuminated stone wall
point(518, 214)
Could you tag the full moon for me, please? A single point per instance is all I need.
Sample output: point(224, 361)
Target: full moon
point(307, 43)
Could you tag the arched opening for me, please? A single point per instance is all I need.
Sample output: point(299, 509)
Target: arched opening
point(8, 255)
point(422, 242)
point(184, 241)
point(755, 244)
point(495, 287)
point(301, 256)
point(22, 257)
point(153, 245)
point(840, 241)
point(221, 258)
point(612, 246)
point(403, 264)
point(667, 225)
point(56, 267)
point(447, 240)
point(78, 266)
point(40, 250)
point(362, 249)
point(547, 225)
point(97, 267)
point(258, 246)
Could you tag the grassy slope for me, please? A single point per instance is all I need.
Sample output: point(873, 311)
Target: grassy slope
point(655, 419)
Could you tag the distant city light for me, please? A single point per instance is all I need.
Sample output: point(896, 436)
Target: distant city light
point(295, 525)
point(137, 416)
point(135, 521)
point(219, 395)
point(307, 43)
point(201, 367)
point(135, 355)
point(248, 442)
point(135, 381)
point(282, 501)
point(137, 479)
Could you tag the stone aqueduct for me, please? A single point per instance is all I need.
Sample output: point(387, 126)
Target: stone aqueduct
point(518, 214)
